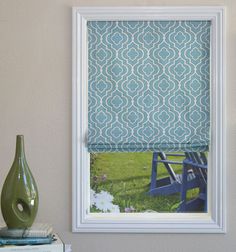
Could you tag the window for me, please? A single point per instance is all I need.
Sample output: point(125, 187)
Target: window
point(90, 132)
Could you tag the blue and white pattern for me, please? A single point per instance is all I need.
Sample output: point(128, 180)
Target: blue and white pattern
point(148, 85)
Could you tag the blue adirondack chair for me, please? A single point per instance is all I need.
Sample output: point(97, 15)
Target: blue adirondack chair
point(194, 175)
point(172, 183)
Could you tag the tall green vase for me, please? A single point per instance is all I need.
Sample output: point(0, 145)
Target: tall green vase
point(19, 198)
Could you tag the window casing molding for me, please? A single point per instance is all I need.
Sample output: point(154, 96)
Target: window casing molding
point(212, 222)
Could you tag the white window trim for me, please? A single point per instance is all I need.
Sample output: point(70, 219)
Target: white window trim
point(212, 222)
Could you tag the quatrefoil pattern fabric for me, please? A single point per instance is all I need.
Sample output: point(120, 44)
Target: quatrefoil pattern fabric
point(148, 85)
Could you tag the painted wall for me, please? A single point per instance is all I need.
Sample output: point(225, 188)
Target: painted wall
point(35, 100)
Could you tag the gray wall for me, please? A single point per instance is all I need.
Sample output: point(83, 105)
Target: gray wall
point(35, 100)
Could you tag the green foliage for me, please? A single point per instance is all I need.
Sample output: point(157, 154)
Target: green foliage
point(93, 158)
point(126, 176)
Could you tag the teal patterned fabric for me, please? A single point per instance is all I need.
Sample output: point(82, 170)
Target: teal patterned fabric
point(148, 85)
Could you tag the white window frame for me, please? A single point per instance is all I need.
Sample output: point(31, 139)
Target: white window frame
point(212, 222)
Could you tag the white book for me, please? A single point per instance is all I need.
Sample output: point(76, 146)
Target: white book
point(55, 246)
point(37, 230)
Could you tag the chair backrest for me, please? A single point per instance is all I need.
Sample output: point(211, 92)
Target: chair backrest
point(198, 163)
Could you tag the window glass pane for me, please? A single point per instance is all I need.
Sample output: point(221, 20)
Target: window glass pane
point(123, 182)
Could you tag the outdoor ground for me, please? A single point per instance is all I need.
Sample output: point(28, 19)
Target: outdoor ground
point(126, 176)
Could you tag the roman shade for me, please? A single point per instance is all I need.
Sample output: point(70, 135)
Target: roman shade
point(148, 86)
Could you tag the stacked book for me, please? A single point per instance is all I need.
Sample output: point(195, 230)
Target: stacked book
point(39, 237)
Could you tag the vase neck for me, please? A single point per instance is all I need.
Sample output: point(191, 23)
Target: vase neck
point(20, 149)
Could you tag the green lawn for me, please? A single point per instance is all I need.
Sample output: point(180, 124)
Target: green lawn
point(126, 176)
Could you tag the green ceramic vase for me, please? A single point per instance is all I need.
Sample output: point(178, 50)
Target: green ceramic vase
point(19, 198)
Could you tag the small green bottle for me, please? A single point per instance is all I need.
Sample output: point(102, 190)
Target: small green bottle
point(19, 198)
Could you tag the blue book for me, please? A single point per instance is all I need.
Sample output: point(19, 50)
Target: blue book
point(55, 246)
point(26, 241)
